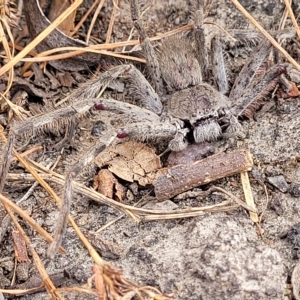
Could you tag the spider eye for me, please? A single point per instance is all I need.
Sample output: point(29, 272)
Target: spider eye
point(281, 70)
point(122, 134)
point(99, 106)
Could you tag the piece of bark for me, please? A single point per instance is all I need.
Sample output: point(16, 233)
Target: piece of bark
point(182, 178)
point(20, 247)
point(37, 22)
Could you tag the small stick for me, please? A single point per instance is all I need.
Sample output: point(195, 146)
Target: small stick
point(248, 195)
point(182, 178)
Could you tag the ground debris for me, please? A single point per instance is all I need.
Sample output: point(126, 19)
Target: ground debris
point(106, 184)
point(182, 178)
point(192, 153)
point(131, 161)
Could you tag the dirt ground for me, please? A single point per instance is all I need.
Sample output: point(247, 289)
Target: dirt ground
point(214, 256)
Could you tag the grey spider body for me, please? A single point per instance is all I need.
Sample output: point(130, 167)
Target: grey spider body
point(205, 108)
point(190, 99)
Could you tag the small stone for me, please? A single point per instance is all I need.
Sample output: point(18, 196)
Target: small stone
point(165, 205)
point(276, 204)
point(42, 195)
point(23, 271)
point(294, 190)
point(4, 282)
point(294, 75)
point(177, 21)
point(129, 195)
point(279, 182)
point(134, 188)
point(8, 265)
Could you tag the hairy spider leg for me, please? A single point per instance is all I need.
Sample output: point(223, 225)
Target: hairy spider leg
point(139, 131)
point(199, 37)
point(249, 70)
point(148, 50)
point(218, 65)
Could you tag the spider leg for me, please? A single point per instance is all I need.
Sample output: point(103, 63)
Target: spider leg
point(252, 66)
point(139, 131)
point(147, 47)
point(92, 88)
point(249, 70)
point(218, 65)
point(140, 88)
point(62, 118)
point(252, 98)
point(254, 95)
point(142, 91)
point(199, 38)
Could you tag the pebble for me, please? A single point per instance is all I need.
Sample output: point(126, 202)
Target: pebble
point(177, 21)
point(41, 194)
point(279, 182)
point(294, 190)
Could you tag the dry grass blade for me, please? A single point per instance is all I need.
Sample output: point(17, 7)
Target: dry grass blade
point(111, 22)
point(284, 17)
point(266, 34)
point(28, 219)
point(248, 195)
point(9, 54)
point(84, 17)
point(138, 213)
point(43, 56)
point(290, 12)
point(94, 20)
point(40, 37)
point(7, 18)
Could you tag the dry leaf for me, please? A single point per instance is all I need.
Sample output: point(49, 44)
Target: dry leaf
point(56, 9)
point(294, 92)
point(291, 92)
point(131, 161)
point(106, 184)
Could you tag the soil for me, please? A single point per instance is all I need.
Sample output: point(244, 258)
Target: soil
point(215, 256)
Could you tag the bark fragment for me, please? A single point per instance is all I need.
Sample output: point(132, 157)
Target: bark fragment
point(182, 178)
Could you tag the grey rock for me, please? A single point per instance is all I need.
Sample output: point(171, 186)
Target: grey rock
point(279, 182)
